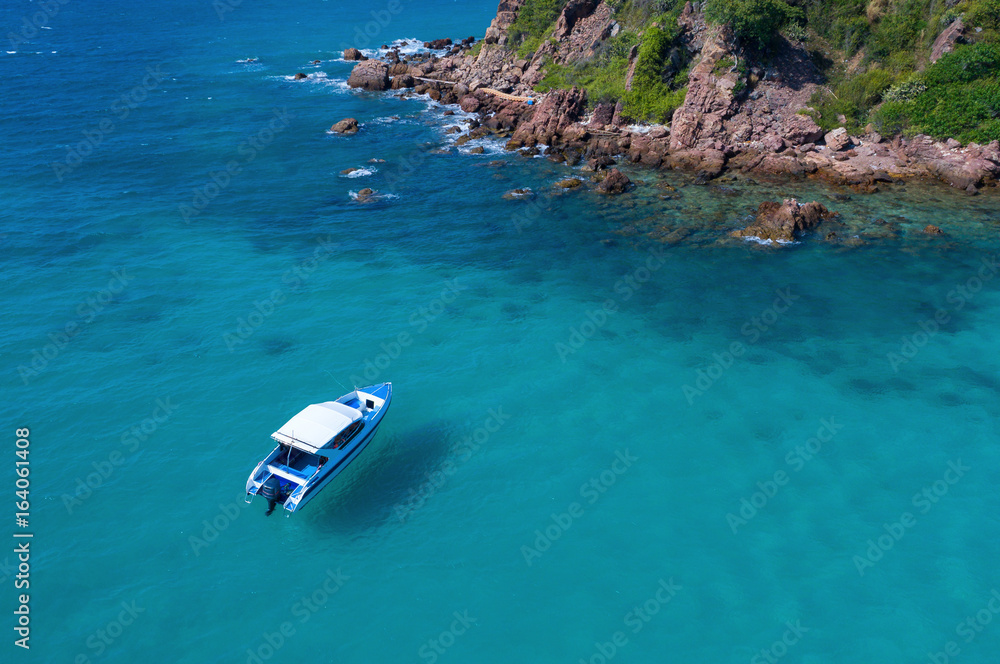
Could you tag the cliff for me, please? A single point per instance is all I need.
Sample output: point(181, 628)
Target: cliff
point(719, 94)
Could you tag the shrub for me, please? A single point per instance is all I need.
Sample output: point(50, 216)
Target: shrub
point(906, 91)
point(866, 90)
point(985, 14)
point(534, 17)
point(754, 22)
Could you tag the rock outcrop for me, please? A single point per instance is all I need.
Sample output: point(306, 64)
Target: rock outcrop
point(615, 182)
point(552, 121)
point(345, 126)
point(781, 222)
point(945, 43)
point(370, 75)
point(353, 54)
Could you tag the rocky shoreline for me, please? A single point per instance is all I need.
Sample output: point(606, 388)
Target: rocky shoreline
point(746, 119)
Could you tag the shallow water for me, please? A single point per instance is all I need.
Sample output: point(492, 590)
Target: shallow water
point(570, 391)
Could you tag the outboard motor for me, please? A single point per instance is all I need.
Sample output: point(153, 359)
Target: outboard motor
point(271, 490)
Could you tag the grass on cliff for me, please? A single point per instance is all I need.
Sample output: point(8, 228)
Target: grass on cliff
point(957, 97)
point(533, 21)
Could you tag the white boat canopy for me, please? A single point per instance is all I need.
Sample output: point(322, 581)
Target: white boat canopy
point(317, 425)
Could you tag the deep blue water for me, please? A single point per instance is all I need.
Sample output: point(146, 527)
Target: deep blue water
point(580, 410)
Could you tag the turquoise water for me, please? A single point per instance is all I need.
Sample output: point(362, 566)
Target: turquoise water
point(580, 409)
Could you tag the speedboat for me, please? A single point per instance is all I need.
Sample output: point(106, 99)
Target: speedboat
point(317, 445)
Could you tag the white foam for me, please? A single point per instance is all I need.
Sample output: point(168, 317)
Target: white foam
point(754, 238)
point(319, 78)
point(360, 173)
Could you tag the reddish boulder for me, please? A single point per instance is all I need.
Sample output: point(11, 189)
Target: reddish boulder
point(780, 222)
point(552, 117)
point(353, 54)
point(469, 104)
point(402, 81)
point(345, 126)
point(615, 182)
point(800, 129)
point(370, 75)
point(946, 41)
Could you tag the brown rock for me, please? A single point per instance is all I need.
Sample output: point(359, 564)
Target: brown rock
point(345, 126)
point(300, 76)
point(780, 222)
point(837, 139)
point(469, 104)
point(353, 54)
point(370, 75)
point(800, 129)
point(552, 118)
point(476, 150)
point(604, 113)
point(931, 229)
point(946, 41)
point(615, 182)
point(569, 183)
point(402, 81)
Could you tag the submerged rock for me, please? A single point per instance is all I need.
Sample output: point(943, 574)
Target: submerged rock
point(615, 182)
point(569, 183)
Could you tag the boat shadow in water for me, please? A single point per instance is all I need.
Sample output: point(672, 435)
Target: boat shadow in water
point(384, 484)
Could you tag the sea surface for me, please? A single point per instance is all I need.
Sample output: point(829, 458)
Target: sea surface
point(608, 442)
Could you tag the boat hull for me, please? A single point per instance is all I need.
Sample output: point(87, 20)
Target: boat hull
point(310, 488)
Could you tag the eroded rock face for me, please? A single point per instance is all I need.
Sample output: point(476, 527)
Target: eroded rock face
point(506, 13)
point(370, 75)
point(553, 118)
point(781, 222)
point(945, 43)
point(710, 98)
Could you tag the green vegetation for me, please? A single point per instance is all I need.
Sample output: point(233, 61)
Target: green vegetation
point(534, 24)
point(957, 97)
point(653, 96)
point(755, 23)
point(874, 53)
